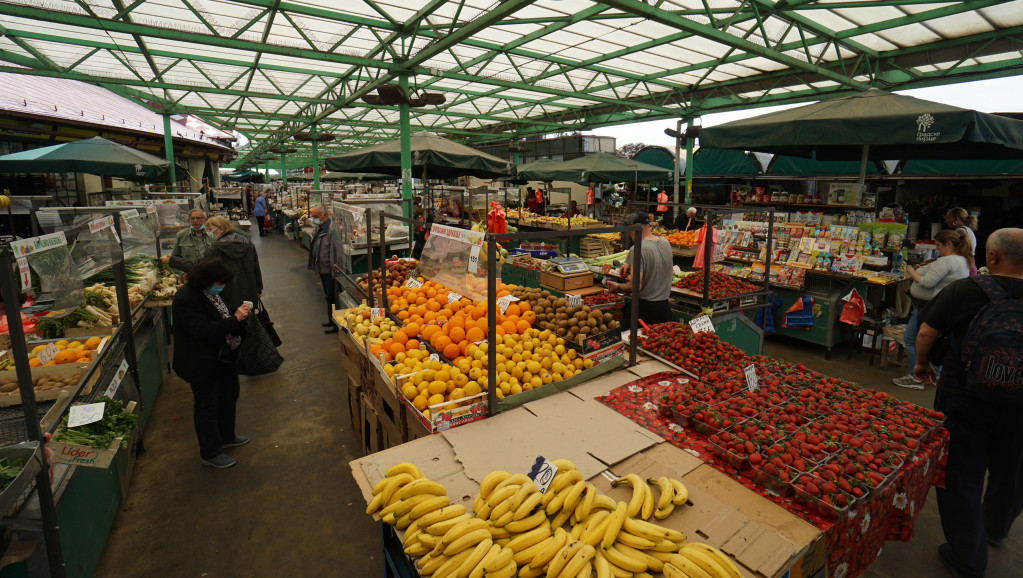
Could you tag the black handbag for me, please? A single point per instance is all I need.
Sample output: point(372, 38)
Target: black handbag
point(257, 354)
point(264, 319)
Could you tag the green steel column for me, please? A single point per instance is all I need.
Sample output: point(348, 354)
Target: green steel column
point(284, 170)
point(168, 145)
point(690, 142)
point(316, 158)
point(678, 153)
point(405, 129)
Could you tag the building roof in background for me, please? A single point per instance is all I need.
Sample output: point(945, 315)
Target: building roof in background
point(83, 103)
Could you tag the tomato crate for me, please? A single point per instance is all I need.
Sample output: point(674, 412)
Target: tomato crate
point(803, 487)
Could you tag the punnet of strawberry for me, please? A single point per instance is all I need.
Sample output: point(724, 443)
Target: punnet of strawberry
point(721, 285)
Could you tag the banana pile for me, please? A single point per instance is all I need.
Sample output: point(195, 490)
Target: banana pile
point(515, 530)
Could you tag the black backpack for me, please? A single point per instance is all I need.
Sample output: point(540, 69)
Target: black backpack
point(992, 350)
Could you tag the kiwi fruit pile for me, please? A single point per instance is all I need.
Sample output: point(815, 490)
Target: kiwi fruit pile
point(574, 323)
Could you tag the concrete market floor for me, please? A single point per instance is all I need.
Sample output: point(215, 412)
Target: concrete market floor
point(290, 506)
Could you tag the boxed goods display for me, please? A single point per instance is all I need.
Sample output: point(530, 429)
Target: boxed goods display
point(563, 282)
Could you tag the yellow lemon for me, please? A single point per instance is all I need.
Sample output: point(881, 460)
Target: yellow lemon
point(471, 388)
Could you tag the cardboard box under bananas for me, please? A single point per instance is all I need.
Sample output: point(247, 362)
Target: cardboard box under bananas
point(569, 530)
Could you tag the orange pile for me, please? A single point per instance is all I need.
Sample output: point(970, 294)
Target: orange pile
point(684, 238)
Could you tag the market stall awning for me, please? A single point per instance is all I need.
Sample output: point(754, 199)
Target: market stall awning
point(602, 167)
point(95, 156)
point(531, 171)
point(432, 156)
point(244, 177)
point(724, 162)
point(783, 165)
point(892, 126)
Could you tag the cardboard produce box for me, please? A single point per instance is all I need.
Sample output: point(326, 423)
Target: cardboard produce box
point(562, 282)
point(78, 455)
point(60, 372)
point(765, 540)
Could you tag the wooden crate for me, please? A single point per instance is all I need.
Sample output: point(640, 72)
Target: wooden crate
point(590, 248)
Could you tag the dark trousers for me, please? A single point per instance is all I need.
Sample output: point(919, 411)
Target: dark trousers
point(259, 223)
point(327, 282)
point(215, 397)
point(984, 438)
point(650, 312)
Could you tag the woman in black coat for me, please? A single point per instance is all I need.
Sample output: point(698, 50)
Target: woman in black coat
point(206, 339)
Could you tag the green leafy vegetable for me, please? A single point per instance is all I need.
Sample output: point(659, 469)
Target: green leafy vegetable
point(9, 469)
point(100, 434)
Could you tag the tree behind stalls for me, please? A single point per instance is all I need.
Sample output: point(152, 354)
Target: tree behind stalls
point(630, 150)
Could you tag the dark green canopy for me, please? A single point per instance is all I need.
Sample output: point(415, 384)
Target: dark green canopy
point(96, 156)
point(893, 125)
point(435, 156)
point(530, 171)
point(602, 167)
point(723, 162)
point(789, 165)
point(249, 176)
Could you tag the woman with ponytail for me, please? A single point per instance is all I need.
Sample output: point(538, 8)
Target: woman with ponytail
point(928, 280)
point(962, 221)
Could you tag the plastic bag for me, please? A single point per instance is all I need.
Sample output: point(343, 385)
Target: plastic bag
point(769, 324)
point(853, 308)
point(50, 258)
point(136, 234)
point(96, 248)
point(457, 259)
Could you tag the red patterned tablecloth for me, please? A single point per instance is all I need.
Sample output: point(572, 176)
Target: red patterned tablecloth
point(853, 541)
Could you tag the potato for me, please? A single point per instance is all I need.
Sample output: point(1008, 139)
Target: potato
point(8, 387)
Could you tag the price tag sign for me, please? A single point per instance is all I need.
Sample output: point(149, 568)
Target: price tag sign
point(102, 344)
point(474, 259)
point(47, 354)
point(413, 283)
point(85, 414)
point(452, 297)
point(752, 383)
point(100, 224)
point(116, 381)
point(542, 473)
point(504, 302)
point(23, 273)
point(701, 324)
point(150, 209)
point(376, 312)
point(574, 300)
point(434, 357)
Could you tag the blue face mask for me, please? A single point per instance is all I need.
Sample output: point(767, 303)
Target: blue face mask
point(215, 289)
point(316, 222)
point(199, 228)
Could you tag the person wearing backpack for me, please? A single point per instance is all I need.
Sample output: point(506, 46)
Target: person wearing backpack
point(980, 391)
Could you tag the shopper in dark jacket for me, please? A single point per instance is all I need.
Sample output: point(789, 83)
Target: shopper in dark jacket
point(206, 337)
point(319, 259)
point(241, 257)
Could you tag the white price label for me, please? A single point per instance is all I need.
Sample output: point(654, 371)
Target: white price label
point(118, 378)
point(574, 300)
point(47, 354)
point(701, 324)
point(542, 473)
point(413, 283)
point(376, 312)
point(504, 302)
point(23, 272)
point(102, 344)
point(150, 208)
point(130, 213)
point(434, 357)
point(100, 224)
point(84, 414)
point(474, 259)
point(752, 383)
point(452, 297)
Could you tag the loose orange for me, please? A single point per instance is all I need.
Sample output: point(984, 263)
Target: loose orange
point(401, 338)
point(456, 322)
point(433, 306)
point(451, 350)
point(512, 310)
point(442, 342)
point(456, 334)
point(397, 348)
point(475, 334)
point(412, 329)
point(412, 344)
point(509, 327)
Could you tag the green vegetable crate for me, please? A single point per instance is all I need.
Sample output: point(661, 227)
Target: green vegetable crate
point(79, 455)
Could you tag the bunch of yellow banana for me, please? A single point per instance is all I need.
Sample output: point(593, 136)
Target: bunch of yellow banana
point(672, 493)
point(643, 505)
point(405, 495)
point(697, 560)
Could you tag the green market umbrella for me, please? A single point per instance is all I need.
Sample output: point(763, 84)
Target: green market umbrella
point(528, 171)
point(432, 157)
point(335, 176)
point(878, 124)
point(601, 167)
point(96, 156)
point(244, 177)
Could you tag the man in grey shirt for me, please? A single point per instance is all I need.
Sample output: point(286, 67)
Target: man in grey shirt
point(191, 244)
point(654, 277)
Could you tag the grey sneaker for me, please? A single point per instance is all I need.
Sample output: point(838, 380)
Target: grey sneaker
point(237, 441)
point(219, 461)
point(908, 382)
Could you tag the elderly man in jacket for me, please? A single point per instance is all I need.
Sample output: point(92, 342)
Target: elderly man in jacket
point(319, 258)
point(191, 244)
